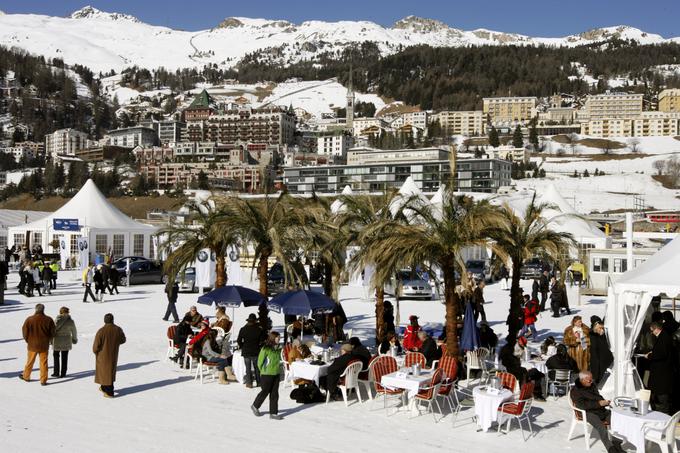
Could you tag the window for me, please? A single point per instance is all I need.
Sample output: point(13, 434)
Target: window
point(74, 244)
point(118, 245)
point(18, 240)
point(138, 245)
point(600, 264)
point(152, 253)
point(56, 237)
point(620, 265)
point(101, 243)
point(37, 238)
point(3, 241)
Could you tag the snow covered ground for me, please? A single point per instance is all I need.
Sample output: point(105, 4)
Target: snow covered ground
point(160, 408)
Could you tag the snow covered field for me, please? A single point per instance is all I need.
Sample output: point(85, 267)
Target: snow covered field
point(160, 408)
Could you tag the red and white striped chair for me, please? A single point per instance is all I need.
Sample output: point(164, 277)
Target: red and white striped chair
point(172, 349)
point(518, 409)
point(415, 357)
point(429, 394)
point(380, 367)
point(508, 381)
point(449, 367)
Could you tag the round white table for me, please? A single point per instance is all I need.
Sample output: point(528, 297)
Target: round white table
point(303, 370)
point(536, 363)
point(487, 404)
point(626, 423)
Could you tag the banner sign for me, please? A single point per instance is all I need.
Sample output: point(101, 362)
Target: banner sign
point(63, 252)
point(205, 269)
point(65, 225)
point(83, 252)
point(234, 266)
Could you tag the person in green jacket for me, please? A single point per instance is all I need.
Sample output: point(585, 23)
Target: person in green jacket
point(269, 363)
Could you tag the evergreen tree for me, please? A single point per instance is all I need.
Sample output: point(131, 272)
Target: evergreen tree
point(203, 183)
point(533, 135)
point(518, 138)
point(494, 140)
point(541, 173)
point(585, 173)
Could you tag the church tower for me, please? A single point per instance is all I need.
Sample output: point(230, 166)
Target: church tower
point(349, 115)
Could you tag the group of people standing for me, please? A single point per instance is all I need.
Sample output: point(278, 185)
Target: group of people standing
point(37, 276)
point(41, 331)
point(104, 278)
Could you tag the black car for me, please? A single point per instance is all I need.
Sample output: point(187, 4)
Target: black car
point(533, 268)
point(276, 280)
point(142, 270)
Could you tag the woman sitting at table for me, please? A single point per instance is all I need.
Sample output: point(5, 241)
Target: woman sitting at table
point(561, 361)
point(208, 349)
point(389, 341)
point(222, 320)
point(299, 351)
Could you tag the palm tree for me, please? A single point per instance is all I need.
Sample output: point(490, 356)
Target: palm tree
point(358, 212)
point(435, 235)
point(183, 242)
point(519, 237)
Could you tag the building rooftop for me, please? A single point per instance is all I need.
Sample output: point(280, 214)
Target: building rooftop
point(202, 100)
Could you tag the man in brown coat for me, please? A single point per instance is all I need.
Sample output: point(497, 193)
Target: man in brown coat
point(105, 347)
point(37, 330)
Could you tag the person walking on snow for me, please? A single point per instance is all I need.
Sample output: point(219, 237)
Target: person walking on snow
point(38, 331)
point(172, 291)
point(88, 276)
point(65, 336)
point(105, 348)
point(269, 363)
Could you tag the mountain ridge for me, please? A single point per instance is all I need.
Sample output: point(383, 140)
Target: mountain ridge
point(103, 41)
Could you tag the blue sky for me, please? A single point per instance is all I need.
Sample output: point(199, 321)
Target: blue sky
point(531, 17)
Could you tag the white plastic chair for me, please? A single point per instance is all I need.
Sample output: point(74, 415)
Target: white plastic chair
point(187, 355)
point(287, 379)
point(351, 375)
point(367, 383)
point(663, 437)
point(578, 416)
point(208, 366)
point(475, 360)
point(562, 379)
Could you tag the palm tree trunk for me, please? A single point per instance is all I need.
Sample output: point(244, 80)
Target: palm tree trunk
point(379, 315)
point(515, 314)
point(327, 278)
point(262, 268)
point(220, 272)
point(263, 312)
point(451, 303)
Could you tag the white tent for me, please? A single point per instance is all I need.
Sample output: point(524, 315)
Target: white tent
point(338, 206)
point(105, 226)
point(627, 304)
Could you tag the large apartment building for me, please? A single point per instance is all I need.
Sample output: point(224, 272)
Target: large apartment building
point(365, 155)
point(65, 142)
point(509, 110)
point(130, 137)
point(669, 101)
point(271, 125)
point(647, 124)
point(474, 175)
point(333, 144)
point(168, 131)
point(470, 122)
point(613, 105)
point(243, 178)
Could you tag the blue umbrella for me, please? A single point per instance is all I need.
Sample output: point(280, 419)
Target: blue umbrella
point(301, 303)
point(469, 339)
point(232, 296)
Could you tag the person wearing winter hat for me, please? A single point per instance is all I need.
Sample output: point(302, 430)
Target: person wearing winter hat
point(411, 340)
point(196, 317)
point(249, 340)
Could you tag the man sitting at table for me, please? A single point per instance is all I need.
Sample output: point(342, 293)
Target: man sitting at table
point(585, 396)
point(360, 351)
point(429, 348)
point(196, 317)
point(513, 364)
point(561, 361)
point(330, 381)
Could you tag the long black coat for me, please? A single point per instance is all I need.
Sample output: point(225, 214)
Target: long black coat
point(601, 356)
point(250, 338)
point(662, 365)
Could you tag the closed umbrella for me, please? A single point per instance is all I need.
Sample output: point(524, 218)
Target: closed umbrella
point(469, 339)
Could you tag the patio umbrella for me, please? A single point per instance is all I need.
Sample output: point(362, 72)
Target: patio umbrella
point(301, 303)
point(232, 296)
point(469, 339)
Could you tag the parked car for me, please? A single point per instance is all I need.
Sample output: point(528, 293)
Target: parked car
point(141, 271)
point(276, 281)
point(187, 280)
point(412, 287)
point(533, 268)
point(480, 270)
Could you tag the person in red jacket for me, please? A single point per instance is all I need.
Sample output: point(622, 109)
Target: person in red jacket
point(531, 309)
point(411, 340)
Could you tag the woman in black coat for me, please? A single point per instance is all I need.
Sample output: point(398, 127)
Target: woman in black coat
point(601, 356)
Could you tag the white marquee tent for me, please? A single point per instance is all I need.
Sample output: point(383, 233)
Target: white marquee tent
point(105, 226)
point(627, 304)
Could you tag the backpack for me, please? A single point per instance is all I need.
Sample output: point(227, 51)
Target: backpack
point(307, 394)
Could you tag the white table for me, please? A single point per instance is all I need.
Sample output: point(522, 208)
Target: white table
point(239, 366)
point(536, 363)
point(408, 382)
point(626, 423)
point(303, 370)
point(487, 404)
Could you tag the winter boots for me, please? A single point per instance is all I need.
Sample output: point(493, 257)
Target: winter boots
point(223, 377)
point(230, 373)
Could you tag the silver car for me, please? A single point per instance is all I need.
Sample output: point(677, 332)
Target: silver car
point(411, 288)
point(187, 280)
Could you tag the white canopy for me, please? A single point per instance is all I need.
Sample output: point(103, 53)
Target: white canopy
point(627, 304)
point(338, 206)
point(97, 217)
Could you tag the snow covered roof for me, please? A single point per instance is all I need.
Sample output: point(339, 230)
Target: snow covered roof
point(92, 210)
point(659, 274)
point(14, 217)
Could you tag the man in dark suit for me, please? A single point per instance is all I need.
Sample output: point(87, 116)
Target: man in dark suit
point(336, 369)
point(661, 369)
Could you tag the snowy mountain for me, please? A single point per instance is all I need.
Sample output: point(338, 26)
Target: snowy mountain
point(105, 41)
